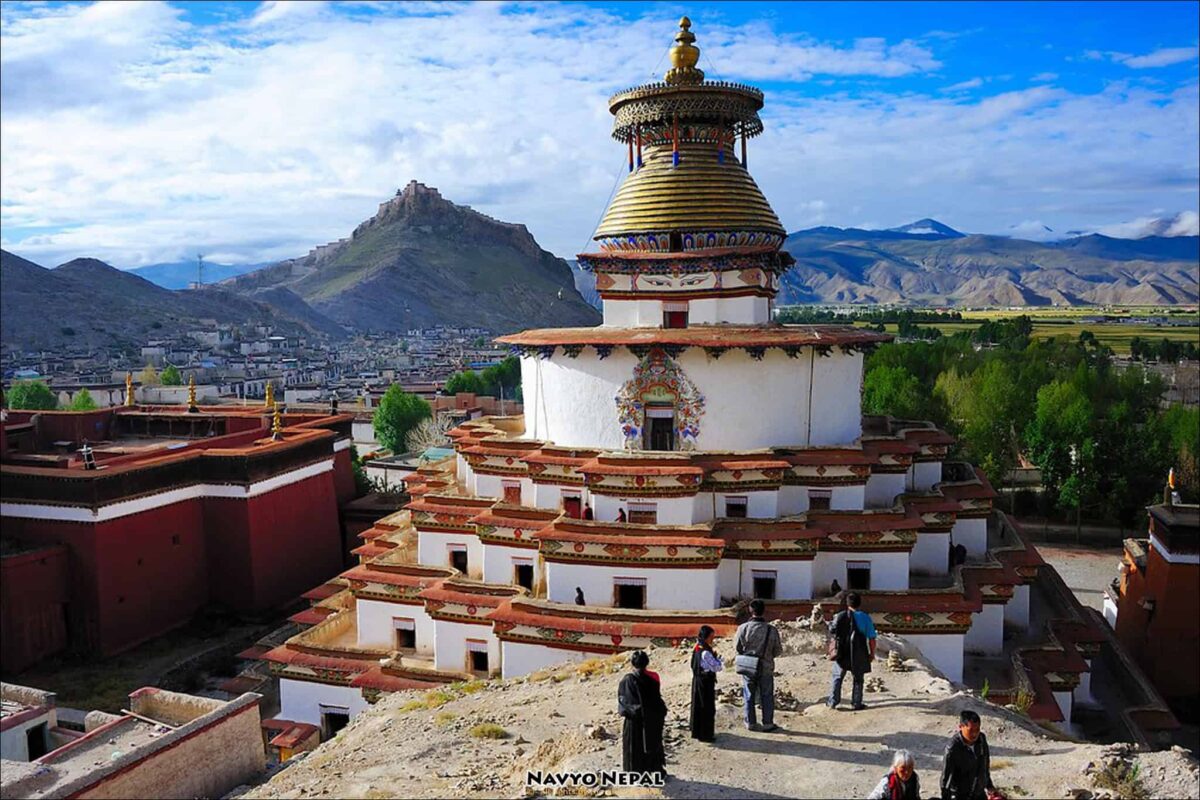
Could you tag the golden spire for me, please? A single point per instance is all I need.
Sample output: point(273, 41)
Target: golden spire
point(270, 395)
point(684, 57)
point(192, 394)
point(129, 390)
point(276, 423)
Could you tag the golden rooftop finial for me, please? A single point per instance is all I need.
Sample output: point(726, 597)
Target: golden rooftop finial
point(192, 408)
point(684, 57)
point(270, 395)
point(129, 389)
point(276, 424)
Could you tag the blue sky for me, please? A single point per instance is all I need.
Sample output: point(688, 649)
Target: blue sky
point(144, 132)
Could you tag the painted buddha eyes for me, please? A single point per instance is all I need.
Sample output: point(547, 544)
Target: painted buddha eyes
point(692, 280)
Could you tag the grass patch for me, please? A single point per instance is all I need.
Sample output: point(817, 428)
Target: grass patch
point(444, 717)
point(590, 667)
point(539, 676)
point(436, 698)
point(1002, 763)
point(469, 687)
point(488, 730)
point(412, 705)
point(1122, 778)
point(559, 677)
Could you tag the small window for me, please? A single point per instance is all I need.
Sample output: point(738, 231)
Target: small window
point(675, 315)
point(818, 499)
point(512, 492)
point(477, 656)
point(405, 633)
point(763, 583)
point(643, 513)
point(629, 592)
point(735, 507)
point(523, 572)
point(858, 575)
point(660, 427)
point(458, 557)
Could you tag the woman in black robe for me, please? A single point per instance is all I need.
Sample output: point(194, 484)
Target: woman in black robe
point(705, 666)
point(639, 701)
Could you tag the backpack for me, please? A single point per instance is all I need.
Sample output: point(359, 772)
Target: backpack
point(833, 643)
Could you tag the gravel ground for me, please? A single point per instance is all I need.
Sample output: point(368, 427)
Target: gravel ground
point(1086, 570)
point(566, 720)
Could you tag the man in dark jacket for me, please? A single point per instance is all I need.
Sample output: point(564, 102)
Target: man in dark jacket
point(854, 633)
point(966, 767)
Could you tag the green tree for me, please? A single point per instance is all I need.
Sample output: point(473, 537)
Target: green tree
point(506, 375)
point(33, 395)
point(398, 413)
point(170, 376)
point(82, 401)
point(465, 381)
point(893, 390)
point(987, 410)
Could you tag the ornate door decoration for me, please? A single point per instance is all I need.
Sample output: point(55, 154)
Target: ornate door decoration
point(658, 378)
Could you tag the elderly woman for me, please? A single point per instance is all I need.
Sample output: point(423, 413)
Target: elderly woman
point(901, 782)
point(639, 701)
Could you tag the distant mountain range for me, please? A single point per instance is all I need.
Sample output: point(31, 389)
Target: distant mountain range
point(182, 274)
point(930, 263)
point(89, 303)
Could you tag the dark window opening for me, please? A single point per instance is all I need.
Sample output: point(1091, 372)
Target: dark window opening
point(818, 501)
point(512, 493)
point(676, 241)
point(524, 576)
point(630, 595)
point(640, 514)
point(477, 661)
point(660, 430)
point(675, 319)
point(406, 639)
point(858, 575)
point(35, 740)
point(735, 507)
point(458, 560)
point(764, 587)
point(333, 721)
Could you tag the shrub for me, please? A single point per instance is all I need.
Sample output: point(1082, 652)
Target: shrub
point(444, 717)
point(488, 730)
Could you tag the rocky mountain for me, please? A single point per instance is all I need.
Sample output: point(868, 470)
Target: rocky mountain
point(422, 260)
point(181, 274)
point(930, 263)
point(88, 303)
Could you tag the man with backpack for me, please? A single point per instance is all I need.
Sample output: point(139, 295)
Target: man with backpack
point(851, 649)
point(757, 644)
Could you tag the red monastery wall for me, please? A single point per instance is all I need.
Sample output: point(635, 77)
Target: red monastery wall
point(33, 595)
point(343, 476)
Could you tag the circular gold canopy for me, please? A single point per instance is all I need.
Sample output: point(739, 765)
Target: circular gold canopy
point(700, 194)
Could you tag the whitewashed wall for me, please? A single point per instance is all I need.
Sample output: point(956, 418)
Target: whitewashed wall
point(793, 579)
point(971, 534)
point(670, 510)
point(749, 404)
point(706, 311)
point(450, 647)
point(493, 486)
point(882, 489)
point(520, 658)
point(375, 627)
point(300, 701)
point(498, 562)
point(665, 588)
point(889, 571)
point(549, 496)
point(943, 650)
point(925, 474)
point(14, 742)
point(1016, 610)
point(986, 634)
point(931, 554)
point(432, 550)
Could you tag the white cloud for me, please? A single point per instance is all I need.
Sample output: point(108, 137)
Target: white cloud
point(1185, 223)
point(973, 83)
point(1043, 77)
point(131, 136)
point(1034, 230)
point(1162, 57)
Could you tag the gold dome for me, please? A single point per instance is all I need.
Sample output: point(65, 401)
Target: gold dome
point(684, 57)
point(701, 194)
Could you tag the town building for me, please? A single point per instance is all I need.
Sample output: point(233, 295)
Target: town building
point(1152, 603)
point(682, 457)
point(121, 523)
point(165, 744)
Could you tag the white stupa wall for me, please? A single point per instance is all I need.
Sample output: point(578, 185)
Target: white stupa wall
point(669, 510)
point(493, 486)
point(707, 311)
point(680, 589)
point(931, 554)
point(889, 571)
point(1016, 610)
point(971, 534)
point(925, 474)
point(986, 634)
point(377, 629)
point(450, 650)
point(498, 562)
point(519, 658)
point(882, 489)
point(943, 650)
point(793, 579)
point(433, 550)
point(301, 701)
point(748, 404)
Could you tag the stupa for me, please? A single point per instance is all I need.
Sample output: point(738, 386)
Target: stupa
point(684, 456)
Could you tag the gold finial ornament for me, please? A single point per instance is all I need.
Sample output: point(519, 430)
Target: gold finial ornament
point(129, 390)
point(276, 423)
point(684, 57)
point(192, 407)
point(270, 395)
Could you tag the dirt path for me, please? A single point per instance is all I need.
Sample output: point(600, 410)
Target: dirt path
point(567, 721)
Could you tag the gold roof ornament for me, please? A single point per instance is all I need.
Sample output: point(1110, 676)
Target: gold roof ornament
point(269, 397)
point(192, 407)
point(276, 424)
point(129, 390)
point(684, 57)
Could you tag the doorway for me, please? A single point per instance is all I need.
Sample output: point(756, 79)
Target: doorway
point(35, 740)
point(763, 582)
point(512, 492)
point(660, 427)
point(458, 558)
point(858, 575)
point(477, 657)
point(629, 593)
point(333, 719)
point(572, 505)
point(523, 573)
point(405, 637)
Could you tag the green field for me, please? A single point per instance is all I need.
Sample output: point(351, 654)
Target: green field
point(1068, 322)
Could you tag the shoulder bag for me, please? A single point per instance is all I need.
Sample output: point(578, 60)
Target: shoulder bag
point(748, 665)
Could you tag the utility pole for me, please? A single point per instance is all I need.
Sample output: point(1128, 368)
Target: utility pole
point(199, 270)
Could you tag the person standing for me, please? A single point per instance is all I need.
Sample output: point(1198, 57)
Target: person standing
point(901, 782)
point(967, 764)
point(758, 639)
point(579, 601)
point(621, 515)
point(640, 703)
point(587, 512)
point(705, 666)
point(854, 633)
